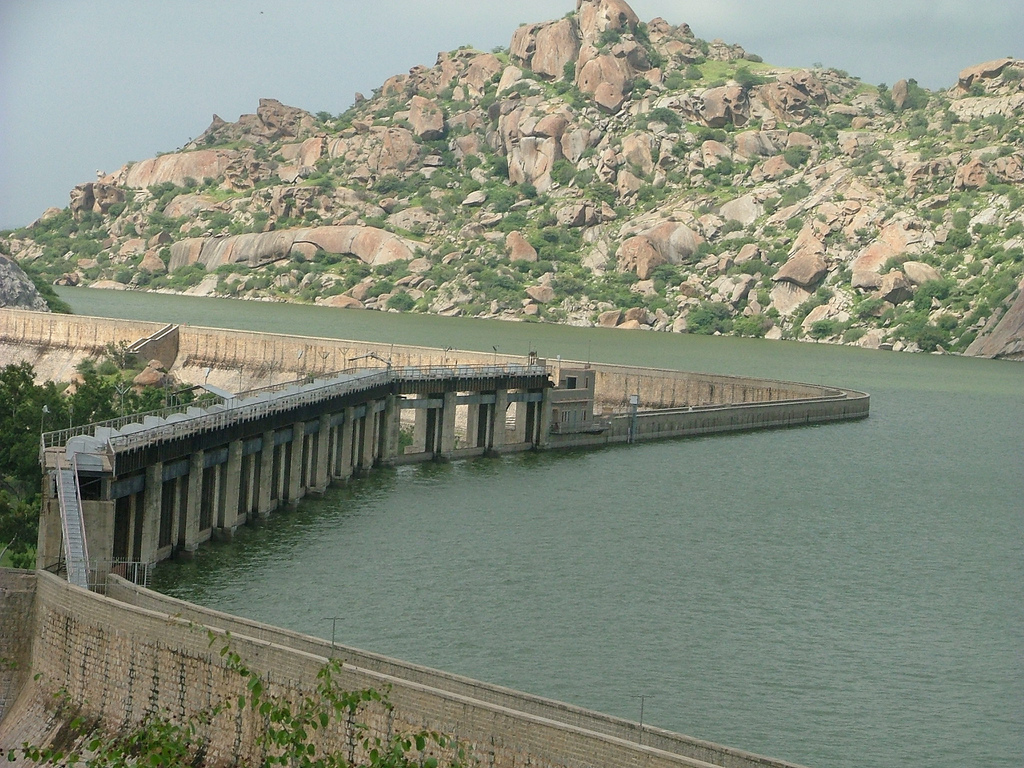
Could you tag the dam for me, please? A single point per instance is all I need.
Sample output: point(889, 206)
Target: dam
point(150, 490)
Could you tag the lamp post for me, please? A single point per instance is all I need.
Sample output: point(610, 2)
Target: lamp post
point(122, 388)
point(42, 415)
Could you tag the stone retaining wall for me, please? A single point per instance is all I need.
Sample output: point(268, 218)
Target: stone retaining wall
point(118, 662)
point(17, 597)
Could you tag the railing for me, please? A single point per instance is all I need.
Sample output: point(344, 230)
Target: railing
point(242, 410)
point(61, 436)
point(76, 548)
point(132, 570)
point(309, 378)
point(429, 372)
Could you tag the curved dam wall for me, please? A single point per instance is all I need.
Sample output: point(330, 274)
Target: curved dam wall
point(119, 659)
point(239, 360)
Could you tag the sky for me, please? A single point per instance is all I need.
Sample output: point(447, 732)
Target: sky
point(88, 86)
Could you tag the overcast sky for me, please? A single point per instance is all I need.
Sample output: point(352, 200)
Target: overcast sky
point(93, 85)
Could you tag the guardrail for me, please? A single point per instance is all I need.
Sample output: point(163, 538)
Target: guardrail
point(61, 436)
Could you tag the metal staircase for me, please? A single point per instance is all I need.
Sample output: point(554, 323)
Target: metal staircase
point(76, 551)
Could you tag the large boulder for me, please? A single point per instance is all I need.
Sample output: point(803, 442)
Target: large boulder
point(94, 197)
point(786, 296)
point(542, 294)
point(667, 243)
point(638, 255)
point(531, 161)
point(393, 149)
point(919, 273)
point(605, 77)
point(546, 48)
point(273, 121)
point(792, 95)
point(426, 118)
point(986, 71)
point(16, 289)
point(745, 210)
point(805, 270)
point(1003, 336)
point(178, 168)
point(725, 105)
point(757, 144)
point(481, 69)
point(895, 288)
point(368, 244)
point(638, 151)
point(973, 175)
point(597, 16)
point(518, 248)
point(894, 239)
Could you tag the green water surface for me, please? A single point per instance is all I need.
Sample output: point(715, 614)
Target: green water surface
point(840, 595)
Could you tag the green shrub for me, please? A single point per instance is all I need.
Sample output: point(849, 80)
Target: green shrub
point(796, 156)
point(938, 289)
point(676, 81)
point(563, 172)
point(403, 302)
point(755, 325)
point(710, 317)
point(667, 116)
point(747, 79)
point(822, 329)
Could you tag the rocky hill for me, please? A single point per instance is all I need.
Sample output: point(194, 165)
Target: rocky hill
point(17, 289)
point(601, 171)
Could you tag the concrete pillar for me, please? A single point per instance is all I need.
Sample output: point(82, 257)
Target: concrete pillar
point(344, 452)
point(295, 489)
point(448, 424)
point(392, 421)
point(369, 436)
point(265, 503)
point(543, 437)
point(249, 502)
point(231, 484)
point(522, 411)
point(281, 452)
point(321, 473)
point(152, 499)
point(498, 420)
point(420, 431)
point(475, 412)
point(193, 504)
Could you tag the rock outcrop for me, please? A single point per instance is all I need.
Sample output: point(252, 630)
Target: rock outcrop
point(605, 171)
point(17, 290)
point(1004, 336)
point(370, 245)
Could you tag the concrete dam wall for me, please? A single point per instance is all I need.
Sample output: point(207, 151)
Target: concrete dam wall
point(239, 360)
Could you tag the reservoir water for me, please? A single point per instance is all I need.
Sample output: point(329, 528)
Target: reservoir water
point(839, 595)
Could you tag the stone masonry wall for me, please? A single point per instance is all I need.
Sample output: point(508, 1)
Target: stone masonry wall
point(17, 597)
point(124, 591)
point(118, 662)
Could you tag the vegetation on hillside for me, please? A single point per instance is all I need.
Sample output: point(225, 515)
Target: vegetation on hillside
point(820, 207)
